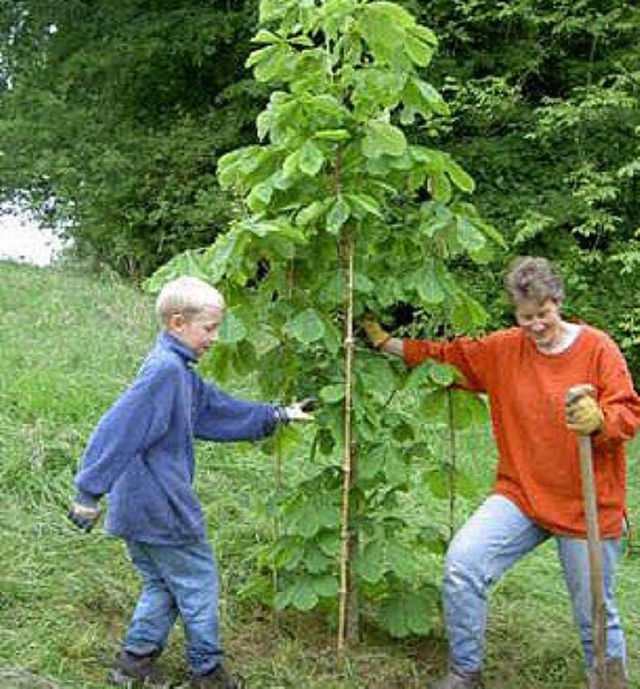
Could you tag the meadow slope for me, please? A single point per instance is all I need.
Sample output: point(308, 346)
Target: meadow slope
point(70, 342)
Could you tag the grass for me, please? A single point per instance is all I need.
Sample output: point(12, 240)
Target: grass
point(70, 343)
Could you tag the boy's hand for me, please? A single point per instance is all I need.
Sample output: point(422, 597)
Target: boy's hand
point(300, 411)
point(84, 512)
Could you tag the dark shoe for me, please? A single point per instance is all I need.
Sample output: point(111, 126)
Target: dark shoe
point(218, 678)
point(132, 671)
point(453, 680)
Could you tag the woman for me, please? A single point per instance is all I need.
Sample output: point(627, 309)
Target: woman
point(526, 372)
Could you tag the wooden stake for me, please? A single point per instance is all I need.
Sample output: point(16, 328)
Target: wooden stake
point(347, 616)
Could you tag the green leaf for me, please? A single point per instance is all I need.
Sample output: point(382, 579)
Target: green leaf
point(434, 405)
point(234, 167)
point(419, 378)
point(410, 612)
point(260, 55)
point(363, 284)
point(311, 159)
point(469, 409)
point(260, 196)
point(429, 286)
point(371, 462)
point(363, 205)
point(265, 343)
point(441, 187)
point(329, 543)
point(395, 469)
point(338, 215)
point(306, 327)
point(304, 596)
point(311, 213)
point(310, 517)
point(383, 26)
point(376, 378)
point(271, 63)
point(468, 314)
point(326, 586)
point(419, 52)
point(382, 138)
point(439, 482)
point(442, 374)
point(332, 338)
point(332, 393)
point(291, 163)
point(459, 177)
point(370, 563)
point(315, 560)
point(264, 36)
point(424, 98)
point(232, 329)
point(333, 135)
point(401, 560)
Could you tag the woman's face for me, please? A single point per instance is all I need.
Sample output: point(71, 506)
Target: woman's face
point(540, 321)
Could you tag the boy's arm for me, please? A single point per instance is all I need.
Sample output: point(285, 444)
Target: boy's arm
point(224, 418)
point(137, 420)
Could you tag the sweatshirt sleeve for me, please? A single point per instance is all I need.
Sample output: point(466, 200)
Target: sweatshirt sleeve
point(474, 358)
point(138, 419)
point(616, 396)
point(224, 418)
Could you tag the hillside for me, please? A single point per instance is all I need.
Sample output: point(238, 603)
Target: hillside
point(70, 343)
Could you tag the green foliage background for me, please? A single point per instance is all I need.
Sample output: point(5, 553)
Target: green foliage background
point(122, 113)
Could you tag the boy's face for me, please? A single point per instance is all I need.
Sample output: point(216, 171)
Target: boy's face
point(199, 332)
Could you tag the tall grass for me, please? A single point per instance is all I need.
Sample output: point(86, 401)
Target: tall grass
point(69, 344)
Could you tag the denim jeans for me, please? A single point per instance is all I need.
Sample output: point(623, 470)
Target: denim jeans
point(176, 580)
point(491, 542)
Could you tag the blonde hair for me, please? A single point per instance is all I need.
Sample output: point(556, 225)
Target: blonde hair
point(187, 296)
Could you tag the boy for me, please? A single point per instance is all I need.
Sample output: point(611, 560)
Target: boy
point(142, 454)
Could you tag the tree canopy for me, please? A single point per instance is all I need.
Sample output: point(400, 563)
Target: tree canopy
point(121, 111)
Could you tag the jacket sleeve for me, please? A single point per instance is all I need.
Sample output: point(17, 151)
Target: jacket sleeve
point(223, 418)
point(138, 419)
point(474, 358)
point(616, 395)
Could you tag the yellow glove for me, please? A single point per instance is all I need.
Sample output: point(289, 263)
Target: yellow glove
point(377, 336)
point(584, 416)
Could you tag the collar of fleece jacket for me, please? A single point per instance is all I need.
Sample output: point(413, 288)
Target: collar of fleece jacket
point(172, 343)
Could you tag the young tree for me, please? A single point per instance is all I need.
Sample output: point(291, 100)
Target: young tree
point(339, 213)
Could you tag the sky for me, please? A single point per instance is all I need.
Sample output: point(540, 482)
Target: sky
point(22, 240)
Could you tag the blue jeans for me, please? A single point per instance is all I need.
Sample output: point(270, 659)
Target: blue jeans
point(176, 580)
point(492, 541)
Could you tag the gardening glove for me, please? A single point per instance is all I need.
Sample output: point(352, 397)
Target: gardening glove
point(376, 334)
point(584, 415)
point(298, 411)
point(84, 512)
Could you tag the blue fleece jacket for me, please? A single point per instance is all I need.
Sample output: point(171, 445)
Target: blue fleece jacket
point(142, 450)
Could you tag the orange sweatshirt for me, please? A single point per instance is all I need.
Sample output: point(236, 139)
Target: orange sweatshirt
point(539, 465)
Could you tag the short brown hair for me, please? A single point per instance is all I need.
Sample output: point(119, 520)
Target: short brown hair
point(533, 277)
